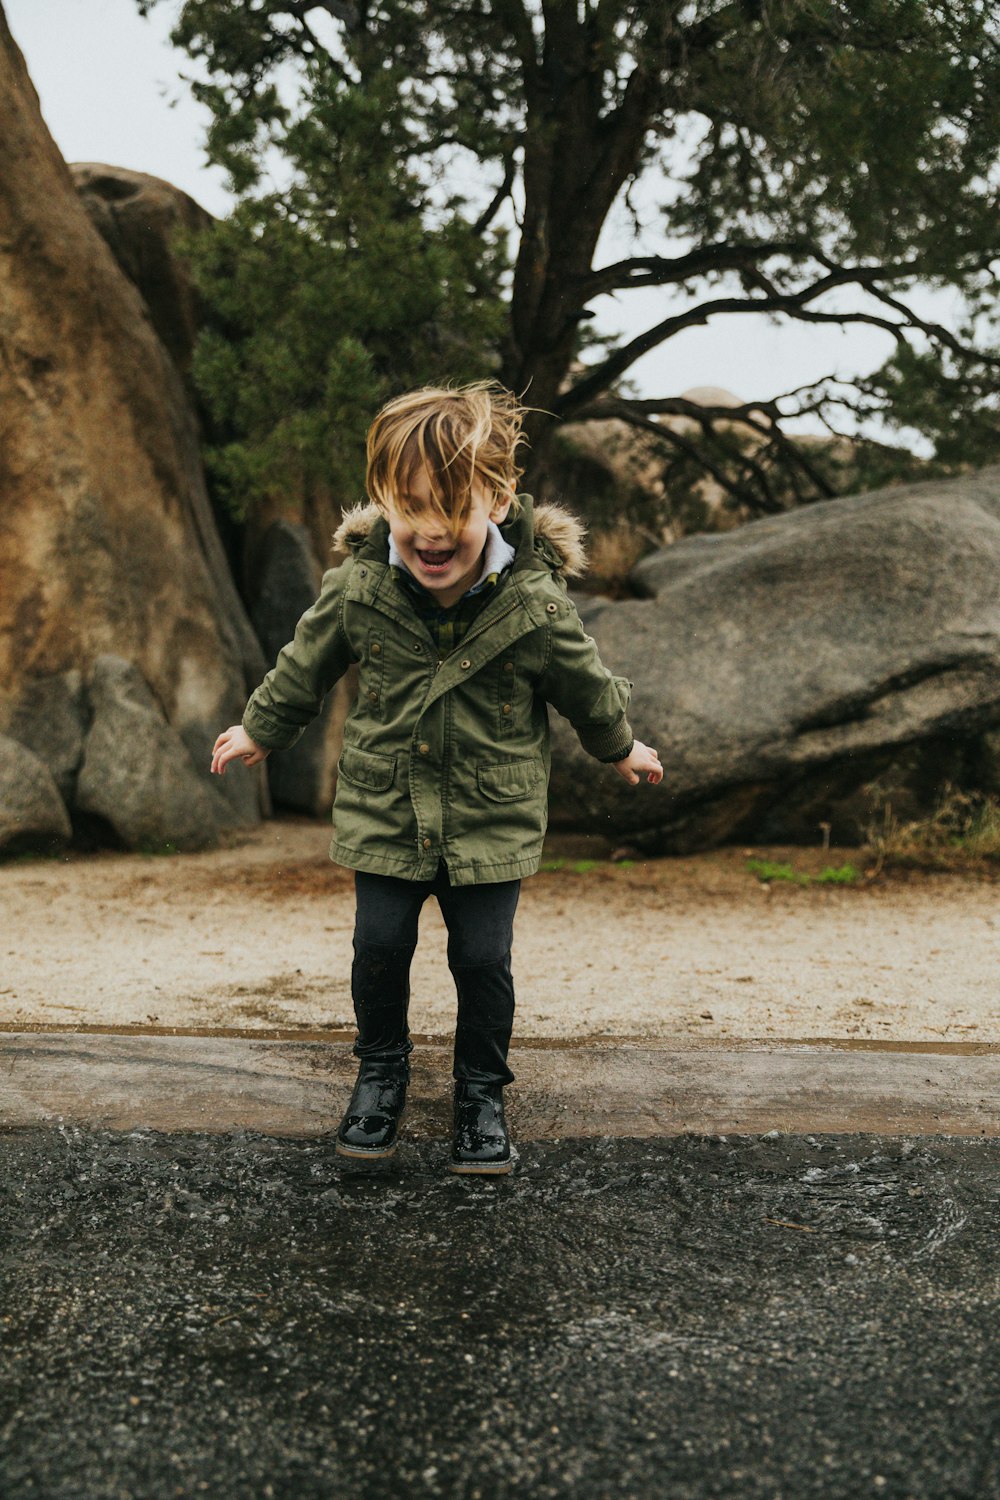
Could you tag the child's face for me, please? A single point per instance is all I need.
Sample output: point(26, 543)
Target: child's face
point(443, 564)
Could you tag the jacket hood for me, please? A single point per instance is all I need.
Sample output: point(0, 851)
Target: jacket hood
point(551, 530)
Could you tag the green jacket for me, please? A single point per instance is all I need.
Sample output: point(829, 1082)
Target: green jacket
point(446, 759)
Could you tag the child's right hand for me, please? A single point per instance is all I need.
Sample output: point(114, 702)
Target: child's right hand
point(235, 744)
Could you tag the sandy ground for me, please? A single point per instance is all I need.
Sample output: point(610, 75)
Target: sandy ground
point(258, 936)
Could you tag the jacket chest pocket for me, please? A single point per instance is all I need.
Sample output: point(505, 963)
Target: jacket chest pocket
point(371, 688)
point(510, 780)
point(507, 691)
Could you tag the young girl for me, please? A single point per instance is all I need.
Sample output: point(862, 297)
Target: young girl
point(454, 605)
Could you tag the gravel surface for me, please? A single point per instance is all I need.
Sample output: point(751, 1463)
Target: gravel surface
point(259, 936)
point(697, 1317)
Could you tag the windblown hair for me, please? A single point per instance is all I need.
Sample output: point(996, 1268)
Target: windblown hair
point(458, 435)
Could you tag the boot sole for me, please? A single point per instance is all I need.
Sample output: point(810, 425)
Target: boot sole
point(358, 1153)
point(471, 1169)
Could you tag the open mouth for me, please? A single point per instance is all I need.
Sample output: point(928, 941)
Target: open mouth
point(436, 562)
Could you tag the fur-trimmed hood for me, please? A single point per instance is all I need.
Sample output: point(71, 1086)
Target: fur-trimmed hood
point(554, 531)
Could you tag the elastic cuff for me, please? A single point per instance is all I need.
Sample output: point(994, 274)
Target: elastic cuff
point(267, 735)
point(611, 744)
point(612, 760)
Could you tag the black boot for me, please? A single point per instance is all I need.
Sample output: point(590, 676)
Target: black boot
point(480, 1143)
point(372, 1118)
point(380, 986)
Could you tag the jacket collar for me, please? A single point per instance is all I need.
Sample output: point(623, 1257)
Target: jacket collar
point(498, 554)
point(544, 537)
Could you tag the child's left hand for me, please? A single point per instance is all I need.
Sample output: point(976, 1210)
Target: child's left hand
point(640, 758)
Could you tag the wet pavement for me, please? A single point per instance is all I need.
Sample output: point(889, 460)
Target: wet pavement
point(696, 1315)
point(298, 1087)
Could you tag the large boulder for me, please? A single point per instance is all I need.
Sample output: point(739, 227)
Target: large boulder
point(32, 813)
point(783, 668)
point(49, 717)
point(137, 777)
point(139, 217)
point(108, 544)
point(142, 220)
point(285, 581)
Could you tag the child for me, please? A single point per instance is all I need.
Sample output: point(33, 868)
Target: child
point(453, 604)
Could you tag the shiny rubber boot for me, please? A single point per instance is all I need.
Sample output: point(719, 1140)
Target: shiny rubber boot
point(371, 1122)
point(480, 1143)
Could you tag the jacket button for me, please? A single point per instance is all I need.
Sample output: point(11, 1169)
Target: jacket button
point(551, 608)
point(506, 708)
point(508, 666)
point(466, 665)
point(363, 572)
point(417, 646)
point(427, 843)
point(376, 649)
point(373, 696)
point(425, 749)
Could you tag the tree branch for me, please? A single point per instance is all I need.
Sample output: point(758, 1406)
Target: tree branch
point(502, 193)
point(791, 303)
point(676, 440)
point(341, 10)
point(514, 15)
point(601, 376)
point(637, 411)
point(662, 270)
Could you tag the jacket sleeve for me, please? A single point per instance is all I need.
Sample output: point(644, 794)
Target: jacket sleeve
point(292, 693)
point(579, 686)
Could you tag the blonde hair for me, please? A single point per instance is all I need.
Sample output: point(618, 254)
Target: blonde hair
point(457, 435)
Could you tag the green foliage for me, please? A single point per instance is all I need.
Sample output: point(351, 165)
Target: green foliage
point(838, 875)
point(584, 866)
point(823, 161)
point(334, 291)
point(768, 870)
point(307, 339)
point(952, 402)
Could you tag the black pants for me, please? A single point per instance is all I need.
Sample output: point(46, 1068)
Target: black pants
point(480, 921)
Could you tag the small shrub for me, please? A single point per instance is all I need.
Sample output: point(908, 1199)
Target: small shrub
point(962, 832)
point(614, 552)
point(838, 875)
point(767, 870)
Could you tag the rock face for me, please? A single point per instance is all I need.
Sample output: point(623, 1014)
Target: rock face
point(138, 217)
point(32, 813)
point(136, 775)
point(107, 546)
point(287, 581)
point(780, 668)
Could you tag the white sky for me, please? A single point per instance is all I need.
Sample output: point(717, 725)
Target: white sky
point(111, 91)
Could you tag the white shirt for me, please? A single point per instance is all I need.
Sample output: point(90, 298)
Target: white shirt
point(498, 555)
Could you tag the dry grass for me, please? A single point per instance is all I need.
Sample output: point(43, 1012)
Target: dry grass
point(614, 552)
point(962, 833)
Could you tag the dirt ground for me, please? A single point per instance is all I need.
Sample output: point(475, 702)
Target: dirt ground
point(258, 936)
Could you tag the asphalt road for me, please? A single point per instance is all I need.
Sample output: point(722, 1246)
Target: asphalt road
point(689, 1316)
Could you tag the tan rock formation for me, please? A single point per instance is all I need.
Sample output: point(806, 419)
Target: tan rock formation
point(139, 217)
point(107, 542)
